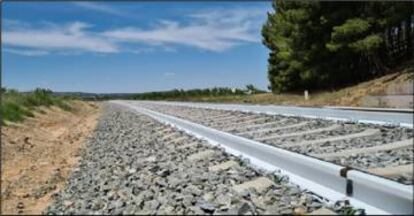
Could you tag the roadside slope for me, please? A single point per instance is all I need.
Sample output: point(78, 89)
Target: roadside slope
point(39, 153)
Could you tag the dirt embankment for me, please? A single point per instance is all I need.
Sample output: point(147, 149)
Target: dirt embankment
point(38, 155)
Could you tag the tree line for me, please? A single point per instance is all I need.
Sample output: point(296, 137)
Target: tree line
point(175, 94)
point(43, 95)
point(181, 94)
point(319, 45)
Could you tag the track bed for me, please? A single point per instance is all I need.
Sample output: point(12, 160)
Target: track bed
point(376, 149)
point(136, 165)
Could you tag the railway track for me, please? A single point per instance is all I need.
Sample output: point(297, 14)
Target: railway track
point(379, 178)
point(148, 158)
point(377, 149)
point(136, 165)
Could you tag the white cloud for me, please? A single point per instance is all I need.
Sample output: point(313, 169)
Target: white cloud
point(26, 52)
point(215, 30)
point(101, 8)
point(141, 50)
point(204, 37)
point(72, 37)
point(231, 16)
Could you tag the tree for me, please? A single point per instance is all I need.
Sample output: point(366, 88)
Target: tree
point(329, 44)
point(252, 89)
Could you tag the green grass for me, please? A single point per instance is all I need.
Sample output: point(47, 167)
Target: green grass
point(15, 106)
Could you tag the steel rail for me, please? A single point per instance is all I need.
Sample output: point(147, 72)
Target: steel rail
point(372, 117)
point(370, 109)
point(375, 194)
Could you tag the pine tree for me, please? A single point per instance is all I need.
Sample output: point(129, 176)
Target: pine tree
point(329, 44)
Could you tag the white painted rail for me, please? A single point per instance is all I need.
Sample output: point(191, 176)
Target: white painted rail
point(375, 194)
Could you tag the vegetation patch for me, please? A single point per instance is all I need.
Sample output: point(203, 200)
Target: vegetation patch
point(175, 94)
point(15, 106)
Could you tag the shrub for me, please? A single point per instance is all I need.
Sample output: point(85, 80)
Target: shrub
point(15, 105)
point(13, 112)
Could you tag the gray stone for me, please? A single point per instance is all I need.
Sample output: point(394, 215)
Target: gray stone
point(243, 209)
point(151, 205)
point(223, 200)
point(166, 209)
point(206, 206)
point(196, 210)
point(209, 197)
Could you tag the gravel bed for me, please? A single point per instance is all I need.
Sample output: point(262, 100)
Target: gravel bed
point(314, 136)
point(129, 168)
point(386, 136)
point(203, 116)
point(216, 122)
point(381, 159)
point(343, 130)
point(194, 114)
point(278, 120)
point(378, 159)
point(405, 178)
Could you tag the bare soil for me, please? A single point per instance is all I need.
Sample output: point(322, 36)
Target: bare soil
point(37, 155)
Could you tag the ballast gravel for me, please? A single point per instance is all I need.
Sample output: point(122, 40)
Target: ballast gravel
point(384, 135)
point(381, 159)
point(129, 167)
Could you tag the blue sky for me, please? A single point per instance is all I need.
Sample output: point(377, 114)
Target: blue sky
point(133, 46)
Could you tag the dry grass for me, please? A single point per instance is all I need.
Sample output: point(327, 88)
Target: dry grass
point(350, 96)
